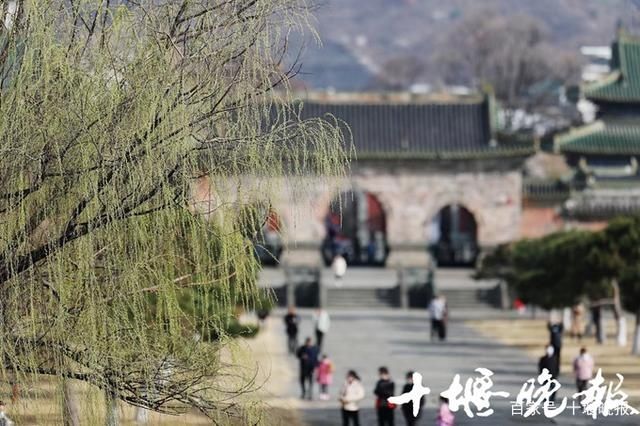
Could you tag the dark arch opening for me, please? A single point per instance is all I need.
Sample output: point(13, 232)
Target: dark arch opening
point(454, 236)
point(357, 229)
point(268, 243)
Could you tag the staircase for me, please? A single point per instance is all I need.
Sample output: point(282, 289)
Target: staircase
point(464, 298)
point(362, 288)
point(342, 297)
point(374, 288)
point(463, 292)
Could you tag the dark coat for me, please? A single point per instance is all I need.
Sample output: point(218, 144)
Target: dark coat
point(385, 388)
point(551, 364)
point(555, 335)
point(308, 356)
point(291, 322)
point(407, 409)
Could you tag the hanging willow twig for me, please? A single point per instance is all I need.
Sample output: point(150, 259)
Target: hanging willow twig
point(110, 113)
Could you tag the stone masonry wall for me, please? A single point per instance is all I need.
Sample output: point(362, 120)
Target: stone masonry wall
point(411, 194)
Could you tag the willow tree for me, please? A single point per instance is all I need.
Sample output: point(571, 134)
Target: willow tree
point(110, 111)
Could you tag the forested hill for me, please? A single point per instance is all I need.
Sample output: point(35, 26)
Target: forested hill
point(434, 41)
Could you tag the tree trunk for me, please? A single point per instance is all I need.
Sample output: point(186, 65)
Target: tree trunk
point(621, 329)
point(71, 411)
point(598, 323)
point(112, 410)
point(636, 335)
point(601, 330)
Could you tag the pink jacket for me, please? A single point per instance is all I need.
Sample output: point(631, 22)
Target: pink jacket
point(583, 367)
point(445, 416)
point(324, 373)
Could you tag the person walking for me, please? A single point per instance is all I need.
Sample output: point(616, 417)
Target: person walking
point(385, 388)
point(322, 323)
point(596, 322)
point(555, 337)
point(4, 420)
point(291, 321)
point(407, 409)
point(577, 321)
point(583, 368)
point(445, 415)
point(549, 361)
point(438, 313)
point(351, 394)
point(308, 356)
point(339, 268)
point(324, 376)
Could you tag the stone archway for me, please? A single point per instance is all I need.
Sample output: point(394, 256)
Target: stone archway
point(356, 227)
point(453, 236)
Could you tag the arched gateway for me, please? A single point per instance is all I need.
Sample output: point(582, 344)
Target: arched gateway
point(419, 156)
point(454, 236)
point(356, 229)
point(268, 243)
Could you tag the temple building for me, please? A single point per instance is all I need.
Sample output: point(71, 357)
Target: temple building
point(604, 154)
point(432, 174)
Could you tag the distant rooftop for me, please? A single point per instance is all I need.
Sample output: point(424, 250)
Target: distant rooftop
point(617, 131)
point(622, 85)
point(601, 52)
point(603, 204)
point(412, 126)
point(331, 97)
point(611, 137)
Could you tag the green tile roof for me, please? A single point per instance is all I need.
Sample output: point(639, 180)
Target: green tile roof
point(623, 83)
point(602, 204)
point(514, 150)
point(420, 130)
point(603, 138)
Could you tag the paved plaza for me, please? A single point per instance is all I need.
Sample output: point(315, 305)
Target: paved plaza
point(365, 339)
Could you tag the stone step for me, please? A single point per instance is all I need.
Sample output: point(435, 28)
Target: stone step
point(466, 298)
point(344, 295)
point(359, 299)
point(464, 301)
point(362, 297)
point(475, 305)
point(360, 304)
point(363, 305)
point(371, 297)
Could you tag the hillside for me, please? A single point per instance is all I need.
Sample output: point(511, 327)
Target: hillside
point(415, 35)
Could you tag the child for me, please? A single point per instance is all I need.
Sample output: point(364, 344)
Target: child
point(445, 416)
point(324, 376)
